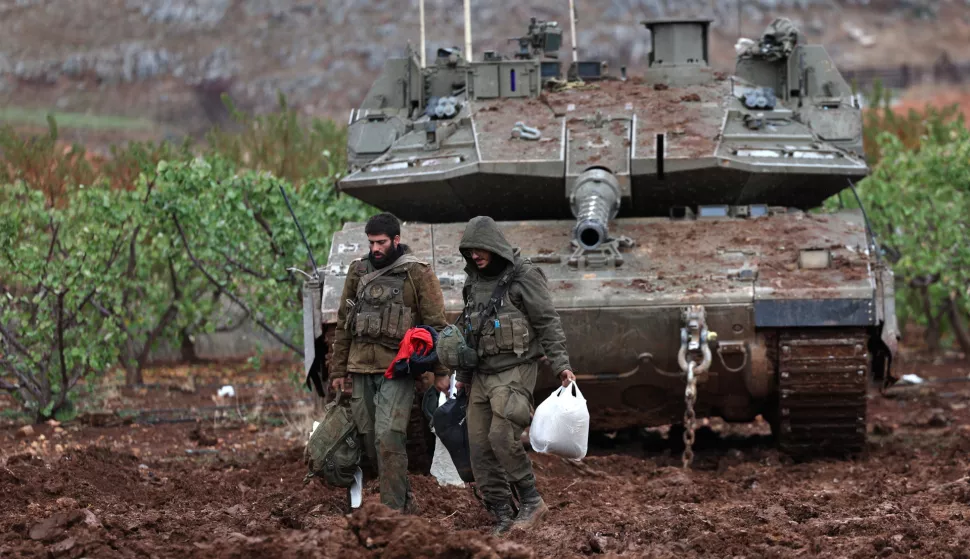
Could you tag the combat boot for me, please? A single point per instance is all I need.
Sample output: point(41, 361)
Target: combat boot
point(503, 516)
point(531, 506)
point(411, 505)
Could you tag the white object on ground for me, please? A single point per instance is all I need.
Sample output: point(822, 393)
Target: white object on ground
point(442, 466)
point(912, 379)
point(357, 489)
point(560, 425)
point(226, 390)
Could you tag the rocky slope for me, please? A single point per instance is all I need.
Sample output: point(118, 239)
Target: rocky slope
point(169, 60)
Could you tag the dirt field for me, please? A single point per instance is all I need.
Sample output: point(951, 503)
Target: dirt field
point(231, 487)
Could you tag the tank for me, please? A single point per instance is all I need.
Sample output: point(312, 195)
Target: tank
point(672, 213)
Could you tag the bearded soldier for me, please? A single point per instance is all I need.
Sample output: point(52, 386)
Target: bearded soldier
point(510, 323)
point(385, 294)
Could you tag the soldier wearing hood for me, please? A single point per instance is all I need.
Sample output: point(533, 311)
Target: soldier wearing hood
point(510, 334)
point(385, 294)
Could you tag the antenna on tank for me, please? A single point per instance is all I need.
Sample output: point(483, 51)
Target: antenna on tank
point(468, 31)
point(739, 18)
point(572, 25)
point(424, 61)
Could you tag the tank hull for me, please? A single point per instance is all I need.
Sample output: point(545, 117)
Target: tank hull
point(623, 323)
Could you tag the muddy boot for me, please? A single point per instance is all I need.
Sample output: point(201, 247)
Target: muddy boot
point(531, 506)
point(411, 505)
point(502, 514)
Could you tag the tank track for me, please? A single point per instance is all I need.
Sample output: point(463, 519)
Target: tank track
point(822, 381)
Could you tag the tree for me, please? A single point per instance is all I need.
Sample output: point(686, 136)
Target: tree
point(236, 230)
point(55, 263)
point(919, 203)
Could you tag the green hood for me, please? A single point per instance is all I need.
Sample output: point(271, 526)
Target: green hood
point(483, 233)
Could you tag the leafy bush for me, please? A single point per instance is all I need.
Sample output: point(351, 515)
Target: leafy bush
point(128, 162)
point(281, 143)
point(56, 262)
point(910, 128)
point(918, 200)
point(237, 231)
point(103, 263)
point(43, 164)
point(158, 296)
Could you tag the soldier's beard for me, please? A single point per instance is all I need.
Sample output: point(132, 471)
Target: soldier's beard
point(381, 260)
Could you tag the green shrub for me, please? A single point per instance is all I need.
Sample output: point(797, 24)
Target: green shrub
point(56, 263)
point(104, 263)
point(918, 200)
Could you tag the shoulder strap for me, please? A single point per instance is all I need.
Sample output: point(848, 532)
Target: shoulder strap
point(501, 289)
point(406, 259)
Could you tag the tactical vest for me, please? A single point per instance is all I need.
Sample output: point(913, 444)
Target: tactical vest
point(379, 315)
point(506, 331)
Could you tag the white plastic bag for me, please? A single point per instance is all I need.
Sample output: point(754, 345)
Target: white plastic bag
point(560, 425)
point(442, 466)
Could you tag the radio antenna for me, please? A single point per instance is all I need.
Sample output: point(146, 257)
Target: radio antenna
point(424, 60)
point(468, 31)
point(300, 229)
point(572, 25)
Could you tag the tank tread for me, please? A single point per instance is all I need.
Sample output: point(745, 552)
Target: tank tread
point(822, 382)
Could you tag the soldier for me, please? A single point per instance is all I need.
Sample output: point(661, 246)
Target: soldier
point(510, 320)
point(385, 294)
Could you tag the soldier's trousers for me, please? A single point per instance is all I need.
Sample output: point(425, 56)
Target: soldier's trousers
point(499, 409)
point(381, 408)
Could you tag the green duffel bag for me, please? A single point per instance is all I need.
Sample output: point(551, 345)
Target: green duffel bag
point(333, 451)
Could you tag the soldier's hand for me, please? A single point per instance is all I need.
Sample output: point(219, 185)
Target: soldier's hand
point(442, 383)
point(338, 384)
point(566, 377)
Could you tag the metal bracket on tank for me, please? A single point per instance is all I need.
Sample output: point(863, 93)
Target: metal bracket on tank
point(607, 255)
point(522, 131)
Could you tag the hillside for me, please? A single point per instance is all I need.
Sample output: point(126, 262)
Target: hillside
point(157, 67)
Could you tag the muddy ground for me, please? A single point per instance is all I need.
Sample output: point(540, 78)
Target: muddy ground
point(232, 487)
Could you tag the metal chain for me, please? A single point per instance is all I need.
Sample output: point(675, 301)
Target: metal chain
point(690, 398)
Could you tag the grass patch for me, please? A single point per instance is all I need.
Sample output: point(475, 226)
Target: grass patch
point(38, 117)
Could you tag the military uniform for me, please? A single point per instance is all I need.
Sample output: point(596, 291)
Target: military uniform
point(377, 307)
point(509, 342)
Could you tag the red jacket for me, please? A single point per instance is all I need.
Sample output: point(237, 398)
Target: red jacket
point(415, 354)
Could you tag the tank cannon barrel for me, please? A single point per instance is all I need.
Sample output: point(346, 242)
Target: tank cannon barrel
point(594, 202)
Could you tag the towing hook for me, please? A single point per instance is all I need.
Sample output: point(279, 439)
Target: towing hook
point(699, 368)
point(696, 340)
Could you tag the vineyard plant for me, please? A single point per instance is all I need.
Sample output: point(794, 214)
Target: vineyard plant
point(105, 261)
point(918, 201)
